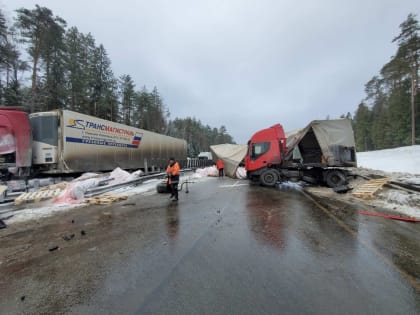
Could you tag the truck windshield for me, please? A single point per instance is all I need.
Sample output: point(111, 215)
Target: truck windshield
point(45, 129)
point(258, 149)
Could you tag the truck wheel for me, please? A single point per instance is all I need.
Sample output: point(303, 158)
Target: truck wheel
point(269, 178)
point(162, 188)
point(335, 178)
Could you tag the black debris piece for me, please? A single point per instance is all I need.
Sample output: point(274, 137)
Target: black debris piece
point(53, 248)
point(72, 221)
point(341, 189)
point(2, 224)
point(68, 237)
point(22, 298)
point(82, 232)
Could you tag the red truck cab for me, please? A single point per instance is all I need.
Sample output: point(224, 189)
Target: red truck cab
point(316, 154)
point(266, 149)
point(15, 141)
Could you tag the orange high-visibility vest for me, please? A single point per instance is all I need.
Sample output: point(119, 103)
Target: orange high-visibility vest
point(173, 170)
point(220, 164)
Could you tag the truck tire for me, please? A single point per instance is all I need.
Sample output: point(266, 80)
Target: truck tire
point(162, 188)
point(335, 178)
point(269, 178)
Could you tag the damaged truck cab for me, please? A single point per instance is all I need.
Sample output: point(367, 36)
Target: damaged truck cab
point(317, 154)
point(15, 142)
point(264, 158)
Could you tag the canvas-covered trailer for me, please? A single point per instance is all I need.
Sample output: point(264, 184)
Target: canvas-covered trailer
point(67, 142)
point(231, 154)
point(323, 143)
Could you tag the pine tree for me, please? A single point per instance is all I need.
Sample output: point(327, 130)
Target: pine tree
point(127, 95)
point(38, 27)
point(76, 77)
point(102, 87)
point(362, 128)
point(52, 54)
point(3, 49)
point(409, 50)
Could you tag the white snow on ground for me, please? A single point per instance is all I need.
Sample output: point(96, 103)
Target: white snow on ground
point(403, 160)
point(401, 164)
point(401, 202)
point(47, 208)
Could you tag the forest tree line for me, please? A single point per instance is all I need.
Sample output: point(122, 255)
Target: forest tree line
point(45, 65)
point(389, 114)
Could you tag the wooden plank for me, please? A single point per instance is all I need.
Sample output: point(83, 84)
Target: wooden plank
point(105, 199)
point(37, 196)
point(367, 190)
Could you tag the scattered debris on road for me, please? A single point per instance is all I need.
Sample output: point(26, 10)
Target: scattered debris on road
point(53, 248)
point(68, 237)
point(37, 196)
point(368, 190)
point(105, 199)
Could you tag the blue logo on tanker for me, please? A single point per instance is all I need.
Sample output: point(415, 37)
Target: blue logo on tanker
point(76, 124)
point(103, 134)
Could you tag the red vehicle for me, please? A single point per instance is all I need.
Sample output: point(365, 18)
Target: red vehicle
point(15, 141)
point(315, 154)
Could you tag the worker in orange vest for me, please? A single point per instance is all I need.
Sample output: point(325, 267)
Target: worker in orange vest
point(220, 166)
point(172, 170)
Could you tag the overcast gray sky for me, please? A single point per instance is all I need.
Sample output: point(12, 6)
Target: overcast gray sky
point(245, 64)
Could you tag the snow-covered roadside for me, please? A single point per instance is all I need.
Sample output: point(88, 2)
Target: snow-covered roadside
point(401, 160)
point(48, 208)
point(400, 164)
point(400, 201)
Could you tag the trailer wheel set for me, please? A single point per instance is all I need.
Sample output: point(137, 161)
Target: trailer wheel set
point(331, 177)
point(335, 178)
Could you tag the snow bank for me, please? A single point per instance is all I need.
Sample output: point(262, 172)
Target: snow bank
point(48, 208)
point(403, 159)
point(401, 202)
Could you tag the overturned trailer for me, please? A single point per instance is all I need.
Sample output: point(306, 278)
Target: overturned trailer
point(232, 156)
point(318, 153)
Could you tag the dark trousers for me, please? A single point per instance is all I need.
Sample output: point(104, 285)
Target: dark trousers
point(221, 172)
point(174, 190)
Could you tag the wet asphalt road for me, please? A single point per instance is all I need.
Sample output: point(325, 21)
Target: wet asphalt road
point(224, 248)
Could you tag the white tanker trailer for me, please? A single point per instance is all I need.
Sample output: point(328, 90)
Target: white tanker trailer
point(63, 141)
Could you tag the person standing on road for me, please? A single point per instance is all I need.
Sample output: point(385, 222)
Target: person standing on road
point(221, 167)
point(172, 170)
